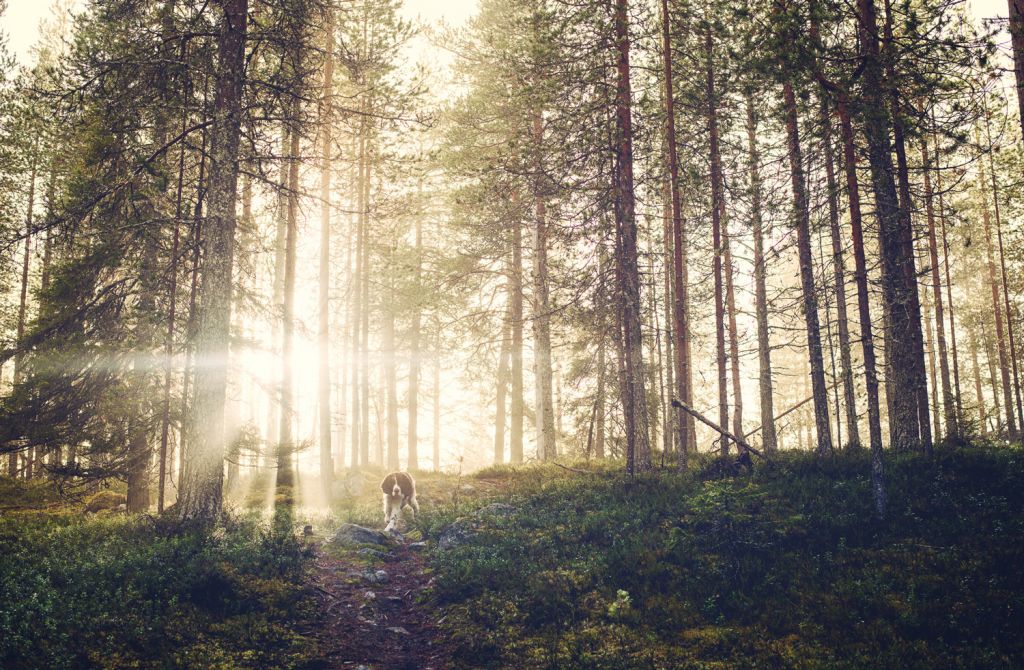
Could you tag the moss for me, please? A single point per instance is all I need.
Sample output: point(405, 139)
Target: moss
point(782, 568)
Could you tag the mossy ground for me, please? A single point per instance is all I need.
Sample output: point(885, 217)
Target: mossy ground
point(785, 568)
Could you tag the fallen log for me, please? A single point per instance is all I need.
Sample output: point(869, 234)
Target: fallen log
point(714, 426)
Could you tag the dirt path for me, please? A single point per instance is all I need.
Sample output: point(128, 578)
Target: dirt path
point(377, 621)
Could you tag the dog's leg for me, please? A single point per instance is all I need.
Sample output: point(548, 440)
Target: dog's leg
point(415, 506)
point(387, 508)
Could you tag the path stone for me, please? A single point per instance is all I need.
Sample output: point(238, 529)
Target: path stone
point(349, 534)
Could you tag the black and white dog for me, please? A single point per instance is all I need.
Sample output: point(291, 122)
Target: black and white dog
point(399, 490)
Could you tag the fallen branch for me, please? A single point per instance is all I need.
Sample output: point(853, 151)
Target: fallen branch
point(714, 426)
point(566, 467)
point(793, 408)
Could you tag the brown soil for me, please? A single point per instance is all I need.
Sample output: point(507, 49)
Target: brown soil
point(381, 626)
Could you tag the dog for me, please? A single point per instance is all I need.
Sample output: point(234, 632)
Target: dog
point(399, 490)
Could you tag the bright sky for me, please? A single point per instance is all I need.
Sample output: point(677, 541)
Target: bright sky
point(21, 22)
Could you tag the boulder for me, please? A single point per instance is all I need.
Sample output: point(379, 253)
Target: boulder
point(349, 535)
point(106, 500)
point(459, 533)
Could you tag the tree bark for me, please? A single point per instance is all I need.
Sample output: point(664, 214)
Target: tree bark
point(1012, 340)
point(810, 299)
point(839, 279)
point(717, 207)
point(285, 444)
point(769, 436)
point(544, 404)
point(502, 386)
point(949, 286)
point(516, 422)
point(997, 309)
point(948, 406)
point(202, 484)
point(323, 295)
point(1016, 8)
point(680, 277)
point(897, 264)
point(414, 348)
point(636, 410)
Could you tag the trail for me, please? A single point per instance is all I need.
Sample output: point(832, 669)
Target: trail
point(379, 625)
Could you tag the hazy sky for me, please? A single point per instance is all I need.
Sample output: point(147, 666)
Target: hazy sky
point(21, 22)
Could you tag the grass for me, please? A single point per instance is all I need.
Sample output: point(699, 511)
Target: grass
point(782, 569)
point(114, 591)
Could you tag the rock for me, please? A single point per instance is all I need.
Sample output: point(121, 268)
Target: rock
point(105, 500)
point(373, 553)
point(369, 595)
point(394, 599)
point(349, 534)
point(123, 507)
point(457, 534)
point(418, 546)
point(497, 509)
point(307, 530)
point(376, 576)
point(398, 630)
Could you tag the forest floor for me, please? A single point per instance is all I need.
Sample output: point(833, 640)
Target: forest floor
point(373, 614)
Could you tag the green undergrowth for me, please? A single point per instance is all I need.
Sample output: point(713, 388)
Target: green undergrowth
point(116, 591)
point(784, 568)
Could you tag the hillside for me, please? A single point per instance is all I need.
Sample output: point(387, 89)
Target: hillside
point(543, 567)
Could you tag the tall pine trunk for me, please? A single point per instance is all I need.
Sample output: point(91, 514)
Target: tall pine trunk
point(717, 208)
point(839, 280)
point(769, 437)
point(202, 482)
point(637, 433)
point(414, 350)
point(515, 450)
point(948, 406)
point(285, 443)
point(810, 299)
point(544, 409)
point(323, 295)
point(680, 280)
point(898, 284)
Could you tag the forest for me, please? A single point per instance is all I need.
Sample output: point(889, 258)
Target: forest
point(696, 323)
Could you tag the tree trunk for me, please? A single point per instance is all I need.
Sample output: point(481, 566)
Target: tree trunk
point(978, 394)
point(680, 277)
point(861, 277)
point(516, 424)
point(358, 299)
point(810, 299)
point(997, 309)
point(544, 409)
point(414, 350)
point(502, 387)
point(769, 437)
point(390, 368)
point(172, 300)
point(324, 305)
point(1010, 336)
point(717, 207)
point(1016, 8)
point(636, 416)
point(898, 295)
point(948, 407)
point(839, 278)
point(286, 445)
point(437, 399)
point(19, 357)
point(202, 484)
point(280, 235)
point(949, 286)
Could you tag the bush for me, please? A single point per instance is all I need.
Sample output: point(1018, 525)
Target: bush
point(119, 592)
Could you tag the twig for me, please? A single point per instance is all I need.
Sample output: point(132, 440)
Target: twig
point(566, 467)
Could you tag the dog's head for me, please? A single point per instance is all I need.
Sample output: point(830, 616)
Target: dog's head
point(391, 486)
point(396, 490)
